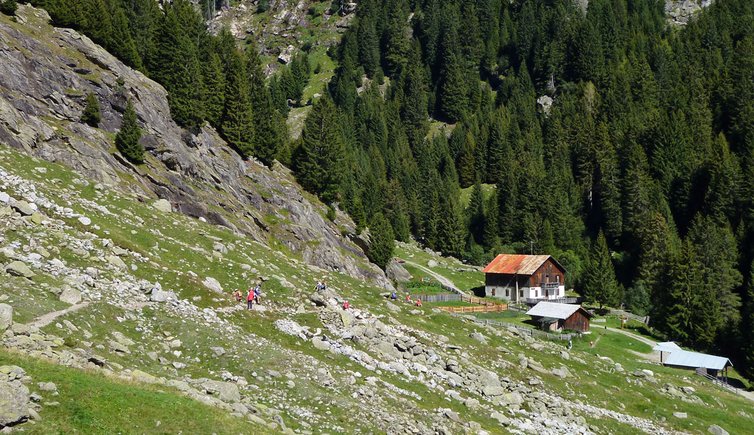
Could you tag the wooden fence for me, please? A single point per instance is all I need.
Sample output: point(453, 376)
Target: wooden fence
point(632, 316)
point(441, 297)
point(487, 308)
point(521, 330)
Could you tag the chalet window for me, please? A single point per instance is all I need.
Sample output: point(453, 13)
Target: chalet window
point(536, 293)
point(507, 292)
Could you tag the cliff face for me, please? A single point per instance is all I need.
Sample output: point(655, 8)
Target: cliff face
point(45, 75)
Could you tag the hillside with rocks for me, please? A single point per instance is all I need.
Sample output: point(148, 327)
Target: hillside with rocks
point(46, 73)
point(119, 278)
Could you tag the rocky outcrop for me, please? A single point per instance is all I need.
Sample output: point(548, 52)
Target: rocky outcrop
point(290, 21)
point(14, 396)
point(679, 12)
point(45, 75)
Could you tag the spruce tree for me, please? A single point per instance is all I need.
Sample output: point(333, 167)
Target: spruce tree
point(214, 79)
point(120, 42)
point(382, 241)
point(91, 115)
point(237, 120)
point(319, 164)
point(8, 7)
point(599, 283)
point(127, 138)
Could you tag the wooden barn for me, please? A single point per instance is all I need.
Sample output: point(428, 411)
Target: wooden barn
point(518, 277)
point(557, 317)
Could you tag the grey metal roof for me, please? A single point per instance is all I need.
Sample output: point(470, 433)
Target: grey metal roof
point(554, 310)
point(685, 358)
point(667, 346)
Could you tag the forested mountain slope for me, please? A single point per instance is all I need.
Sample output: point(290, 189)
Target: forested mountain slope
point(616, 141)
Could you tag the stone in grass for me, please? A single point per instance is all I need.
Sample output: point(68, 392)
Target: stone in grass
point(14, 403)
point(70, 296)
point(23, 207)
point(4, 198)
point(680, 415)
point(85, 221)
point(6, 317)
point(116, 261)
point(717, 430)
point(163, 205)
point(213, 284)
point(18, 268)
point(36, 218)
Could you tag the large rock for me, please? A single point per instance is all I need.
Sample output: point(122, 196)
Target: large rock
point(70, 296)
point(163, 205)
point(6, 317)
point(23, 207)
point(225, 391)
point(717, 430)
point(18, 268)
point(396, 272)
point(162, 296)
point(14, 403)
point(213, 284)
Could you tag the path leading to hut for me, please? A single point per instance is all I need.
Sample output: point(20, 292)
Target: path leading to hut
point(443, 280)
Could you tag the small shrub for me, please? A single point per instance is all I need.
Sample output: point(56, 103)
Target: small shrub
point(91, 115)
point(330, 213)
point(127, 139)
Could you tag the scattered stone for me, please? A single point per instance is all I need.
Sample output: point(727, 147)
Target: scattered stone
point(4, 198)
point(48, 387)
point(219, 351)
point(22, 207)
point(225, 391)
point(6, 317)
point(70, 296)
point(717, 430)
point(163, 205)
point(85, 221)
point(213, 284)
point(18, 268)
point(680, 415)
point(14, 403)
point(36, 218)
point(162, 296)
point(116, 261)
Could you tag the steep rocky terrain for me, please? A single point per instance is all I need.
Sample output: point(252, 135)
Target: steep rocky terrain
point(45, 75)
point(104, 279)
point(285, 26)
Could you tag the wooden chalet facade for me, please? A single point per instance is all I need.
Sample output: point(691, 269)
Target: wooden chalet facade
point(517, 277)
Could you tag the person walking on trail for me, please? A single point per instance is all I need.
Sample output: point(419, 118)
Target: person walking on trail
point(237, 295)
point(408, 298)
point(258, 293)
point(250, 299)
point(346, 305)
point(419, 303)
point(393, 296)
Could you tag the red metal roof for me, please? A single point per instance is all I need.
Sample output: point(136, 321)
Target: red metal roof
point(516, 264)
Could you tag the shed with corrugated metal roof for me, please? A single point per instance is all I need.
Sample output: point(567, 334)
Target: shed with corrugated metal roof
point(518, 277)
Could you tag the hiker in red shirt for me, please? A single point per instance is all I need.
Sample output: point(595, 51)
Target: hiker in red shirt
point(346, 305)
point(250, 298)
point(419, 303)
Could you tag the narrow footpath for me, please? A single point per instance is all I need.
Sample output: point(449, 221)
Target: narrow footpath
point(47, 318)
point(443, 280)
